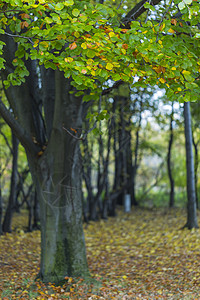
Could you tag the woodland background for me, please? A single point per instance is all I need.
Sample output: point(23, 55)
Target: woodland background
point(122, 125)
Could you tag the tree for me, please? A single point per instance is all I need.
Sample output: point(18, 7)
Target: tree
point(55, 54)
point(169, 167)
point(191, 195)
point(195, 110)
point(6, 227)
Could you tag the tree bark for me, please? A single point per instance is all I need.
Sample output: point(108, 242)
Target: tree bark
point(13, 187)
point(169, 168)
point(55, 167)
point(1, 208)
point(191, 206)
point(58, 184)
point(36, 212)
point(196, 165)
point(136, 150)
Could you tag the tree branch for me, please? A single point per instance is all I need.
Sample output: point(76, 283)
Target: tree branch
point(114, 86)
point(137, 10)
point(20, 133)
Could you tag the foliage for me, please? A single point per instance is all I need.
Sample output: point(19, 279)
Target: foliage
point(87, 42)
point(141, 255)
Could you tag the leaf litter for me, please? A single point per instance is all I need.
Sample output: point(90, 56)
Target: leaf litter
point(140, 255)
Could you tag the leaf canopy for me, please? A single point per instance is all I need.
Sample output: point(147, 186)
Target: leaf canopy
point(89, 43)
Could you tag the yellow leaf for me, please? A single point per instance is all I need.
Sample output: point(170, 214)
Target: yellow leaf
point(162, 80)
point(111, 34)
point(109, 66)
point(173, 68)
point(186, 72)
point(69, 59)
point(162, 26)
point(76, 34)
point(84, 46)
point(171, 30)
point(36, 43)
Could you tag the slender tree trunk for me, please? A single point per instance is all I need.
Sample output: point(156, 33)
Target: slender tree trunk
point(135, 166)
point(196, 165)
point(112, 211)
point(87, 172)
point(30, 213)
point(191, 207)
point(1, 208)
point(169, 168)
point(105, 172)
point(36, 212)
point(13, 187)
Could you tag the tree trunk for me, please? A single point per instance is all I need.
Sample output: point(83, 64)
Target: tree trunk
point(196, 165)
point(36, 212)
point(57, 174)
point(1, 208)
point(13, 187)
point(136, 164)
point(191, 207)
point(171, 179)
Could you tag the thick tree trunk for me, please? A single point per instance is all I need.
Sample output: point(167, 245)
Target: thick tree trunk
point(58, 183)
point(169, 168)
point(62, 245)
point(13, 187)
point(56, 171)
point(191, 207)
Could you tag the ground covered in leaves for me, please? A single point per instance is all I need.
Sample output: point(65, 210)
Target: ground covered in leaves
point(141, 255)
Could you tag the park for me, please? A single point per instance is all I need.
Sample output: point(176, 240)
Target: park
point(99, 149)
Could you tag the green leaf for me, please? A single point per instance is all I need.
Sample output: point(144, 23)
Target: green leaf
point(116, 77)
point(188, 1)
point(59, 6)
point(75, 12)
point(147, 5)
point(68, 2)
point(181, 5)
point(48, 20)
point(18, 2)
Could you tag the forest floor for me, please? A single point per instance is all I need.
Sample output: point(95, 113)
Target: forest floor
point(141, 255)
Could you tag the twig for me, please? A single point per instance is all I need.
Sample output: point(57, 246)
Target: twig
point(19, 36)
point(77, 138)
point(115, 86)
point(120, 4)
point(163, 18)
